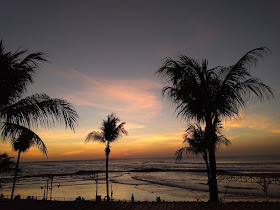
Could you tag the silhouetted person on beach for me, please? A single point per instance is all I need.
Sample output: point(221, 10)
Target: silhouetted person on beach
point(158, 199)
point(132, 198)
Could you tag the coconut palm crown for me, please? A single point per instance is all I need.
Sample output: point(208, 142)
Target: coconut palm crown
point(27, 138)
point(221, 91)
point(109, 132)
point(195, 137)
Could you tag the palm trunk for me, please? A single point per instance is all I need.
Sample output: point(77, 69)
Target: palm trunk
point(16, 170)
point(107, 150)
point(47, 190)
point(205, 157)
point(213, 187)
point(51, 188)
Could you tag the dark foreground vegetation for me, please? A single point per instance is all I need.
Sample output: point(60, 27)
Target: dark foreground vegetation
point(33, 204)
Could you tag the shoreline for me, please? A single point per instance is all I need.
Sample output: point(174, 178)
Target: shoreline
point(171, 181)
point(146, 192)
point(90, 172)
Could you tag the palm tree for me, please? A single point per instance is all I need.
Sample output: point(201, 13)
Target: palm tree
point(38, 110)
point(6, 163)
point(26, 139)
point(110, 132)
point(195, 137)
point(207, 95)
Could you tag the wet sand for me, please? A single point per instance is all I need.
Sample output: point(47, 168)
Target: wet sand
point(42, 205)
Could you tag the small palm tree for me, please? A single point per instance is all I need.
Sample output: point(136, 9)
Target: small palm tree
point(6, 163)
point(110, 132)
point(26, 139)
point(197, 141)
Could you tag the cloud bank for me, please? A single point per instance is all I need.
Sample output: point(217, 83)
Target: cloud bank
point(135, 98)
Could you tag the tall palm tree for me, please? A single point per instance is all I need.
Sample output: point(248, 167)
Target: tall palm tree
point(16, 73)
point(207, 95)
point(6, 163)
point(26, 139)
point(110, 132)
point(195, 137)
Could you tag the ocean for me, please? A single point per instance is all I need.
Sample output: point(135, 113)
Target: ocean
point(146, 179)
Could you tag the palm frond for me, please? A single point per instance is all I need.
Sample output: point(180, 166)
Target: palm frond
point(188, 86)
point(222, 140)
point(251, 58)
point(6, 163)
point(186, 150)
point(118, 132)
point(238, 86)
point(198, 142)
point(254, 87)
point(22, 137)
point(179, 153)
point(96, 136)
point(32, 60)
point(40, 110)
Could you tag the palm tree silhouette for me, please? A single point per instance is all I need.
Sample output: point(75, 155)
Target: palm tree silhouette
point(207, 95)
point(26, 139)
point(195, 137)
point(6, 163)
point(38, 110)
point(110, 132)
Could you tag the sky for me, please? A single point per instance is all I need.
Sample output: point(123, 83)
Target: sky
point(103, 56)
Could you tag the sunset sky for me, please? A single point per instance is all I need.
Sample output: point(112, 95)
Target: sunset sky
point(103, 56)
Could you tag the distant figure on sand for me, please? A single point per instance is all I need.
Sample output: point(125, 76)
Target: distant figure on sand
point(17, 197)
point(158, 199)
point(132, 198)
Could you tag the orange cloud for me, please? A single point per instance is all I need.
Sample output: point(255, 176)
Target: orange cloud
point(275, 131)
point(73, 152)
point(256, 122)
point(133, 97)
